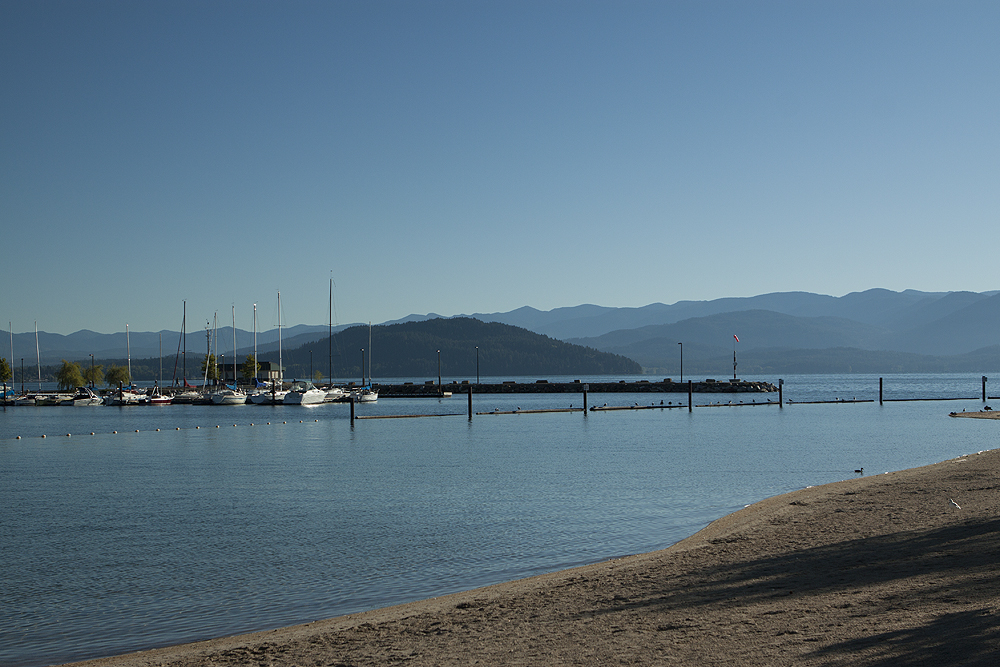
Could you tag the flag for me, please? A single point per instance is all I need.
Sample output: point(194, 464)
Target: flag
point(737, 339)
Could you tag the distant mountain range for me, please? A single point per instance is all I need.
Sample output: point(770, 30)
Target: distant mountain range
point(872, 331)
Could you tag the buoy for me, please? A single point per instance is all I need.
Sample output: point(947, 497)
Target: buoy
point(43, 435)
point(18, 438)
point(114, 431)
point(251, 423)
point(137, 430)
point(69, 435)
point(91, 433)
point(216, 426)
point(157, 429)
point(195, 427)
point(178, 428)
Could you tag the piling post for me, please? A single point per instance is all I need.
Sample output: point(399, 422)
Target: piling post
point(585, 388)
point(690, 397)
point(984, 389)
point(781, 384)
point(880, 391)
point(352, 409)
point(470, 401)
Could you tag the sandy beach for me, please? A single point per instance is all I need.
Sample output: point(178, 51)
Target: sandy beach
point(883, 569)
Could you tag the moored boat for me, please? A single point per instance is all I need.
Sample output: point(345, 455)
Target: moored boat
point(304, 393)
point(230, 395)
point(84, 396)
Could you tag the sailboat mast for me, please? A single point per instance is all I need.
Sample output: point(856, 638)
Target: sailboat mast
point(234, 346)
point(255, 344)
point(184, 334)
point(281, 367)
point(38, 358)
point(329, 340)
point(128, 355)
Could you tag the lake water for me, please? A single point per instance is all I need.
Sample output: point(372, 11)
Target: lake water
point(122, 541)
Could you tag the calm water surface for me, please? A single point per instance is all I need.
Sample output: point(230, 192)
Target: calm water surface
point(117, 542)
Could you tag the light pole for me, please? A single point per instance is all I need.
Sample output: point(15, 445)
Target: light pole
point(91, 371)
point(439, 371)
point(362, 367)
point(477, 364)
point(682, 362)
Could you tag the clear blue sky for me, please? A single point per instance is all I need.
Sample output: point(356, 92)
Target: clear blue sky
point(467, 156)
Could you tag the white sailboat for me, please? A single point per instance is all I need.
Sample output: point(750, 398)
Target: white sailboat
point(231, 394)
point(126, 395)
point(366, 393)
point(276, 394)
point(332, 393)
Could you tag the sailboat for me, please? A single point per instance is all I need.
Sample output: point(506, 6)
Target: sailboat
point(366, 393)
point(276, 394)
point(332, 393)
point(231, 394)
point(126, 395)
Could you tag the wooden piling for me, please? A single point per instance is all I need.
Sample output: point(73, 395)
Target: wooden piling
point(352, 409)
point(470, 402)
point(585, 388)
point(880, 391)
point(984, 389)
point(781, 384)
point(690, 396)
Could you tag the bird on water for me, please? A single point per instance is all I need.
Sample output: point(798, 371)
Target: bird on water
point(860, 470)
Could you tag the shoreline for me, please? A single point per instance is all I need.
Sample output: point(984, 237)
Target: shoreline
point(896, 567)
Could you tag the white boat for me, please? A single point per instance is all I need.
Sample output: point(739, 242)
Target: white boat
point(366, 394)
point(229, 396)
point(84, 396)
point(335, 394)
point(124, 397)
point(272, 395)
point(184, 397)
point(304, 393)
point(156, 398)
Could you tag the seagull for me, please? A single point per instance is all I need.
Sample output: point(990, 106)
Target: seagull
point(955, 504)
point(860, 470)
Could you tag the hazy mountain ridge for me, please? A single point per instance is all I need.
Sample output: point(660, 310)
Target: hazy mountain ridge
point(936, 324)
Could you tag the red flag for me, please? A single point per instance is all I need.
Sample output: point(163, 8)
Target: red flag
point(737, 338)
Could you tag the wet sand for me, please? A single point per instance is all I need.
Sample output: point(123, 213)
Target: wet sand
point(890, 569)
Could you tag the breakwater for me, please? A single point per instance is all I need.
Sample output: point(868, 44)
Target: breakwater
point(666, 386)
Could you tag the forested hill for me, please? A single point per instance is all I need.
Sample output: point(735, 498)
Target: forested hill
point(411, 350)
